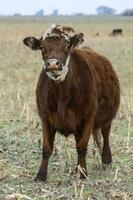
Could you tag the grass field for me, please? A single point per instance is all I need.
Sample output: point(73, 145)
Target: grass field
point(20, 130)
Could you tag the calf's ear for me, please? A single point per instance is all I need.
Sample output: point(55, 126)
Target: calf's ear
point(76, 40)
point(32, 43)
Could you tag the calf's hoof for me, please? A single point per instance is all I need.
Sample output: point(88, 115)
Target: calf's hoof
point(83, 176)
point(106, 166)
point(81, 172)
point(40, 177)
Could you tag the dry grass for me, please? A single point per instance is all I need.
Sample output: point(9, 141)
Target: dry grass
point(20, 131)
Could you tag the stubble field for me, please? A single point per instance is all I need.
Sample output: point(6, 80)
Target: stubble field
point(20, 130)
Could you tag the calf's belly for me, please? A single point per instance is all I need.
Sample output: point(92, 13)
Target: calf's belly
point(68, 126)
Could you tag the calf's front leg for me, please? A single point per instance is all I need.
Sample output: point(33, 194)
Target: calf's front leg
point(47, 149)
point(82, 139)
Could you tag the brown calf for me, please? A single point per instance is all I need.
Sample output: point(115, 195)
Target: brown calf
point(77, 92)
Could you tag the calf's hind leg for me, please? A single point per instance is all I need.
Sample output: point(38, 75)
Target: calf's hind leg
point(106, 152)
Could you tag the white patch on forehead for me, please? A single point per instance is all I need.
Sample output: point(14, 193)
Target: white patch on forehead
point(59, 76)
point(50, 32)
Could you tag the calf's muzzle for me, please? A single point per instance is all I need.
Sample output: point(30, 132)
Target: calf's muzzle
point(53, 64)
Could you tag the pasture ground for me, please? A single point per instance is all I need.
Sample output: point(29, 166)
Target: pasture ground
point(20, 130)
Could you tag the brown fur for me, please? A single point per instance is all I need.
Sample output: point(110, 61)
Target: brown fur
point(83, 104)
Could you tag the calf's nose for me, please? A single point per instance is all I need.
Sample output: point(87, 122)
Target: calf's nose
point(53, 64)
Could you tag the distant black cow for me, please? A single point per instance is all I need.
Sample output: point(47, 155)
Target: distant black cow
point(116, 32)
point(97, 34)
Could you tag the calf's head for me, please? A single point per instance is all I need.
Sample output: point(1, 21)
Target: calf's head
point(56, 47)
